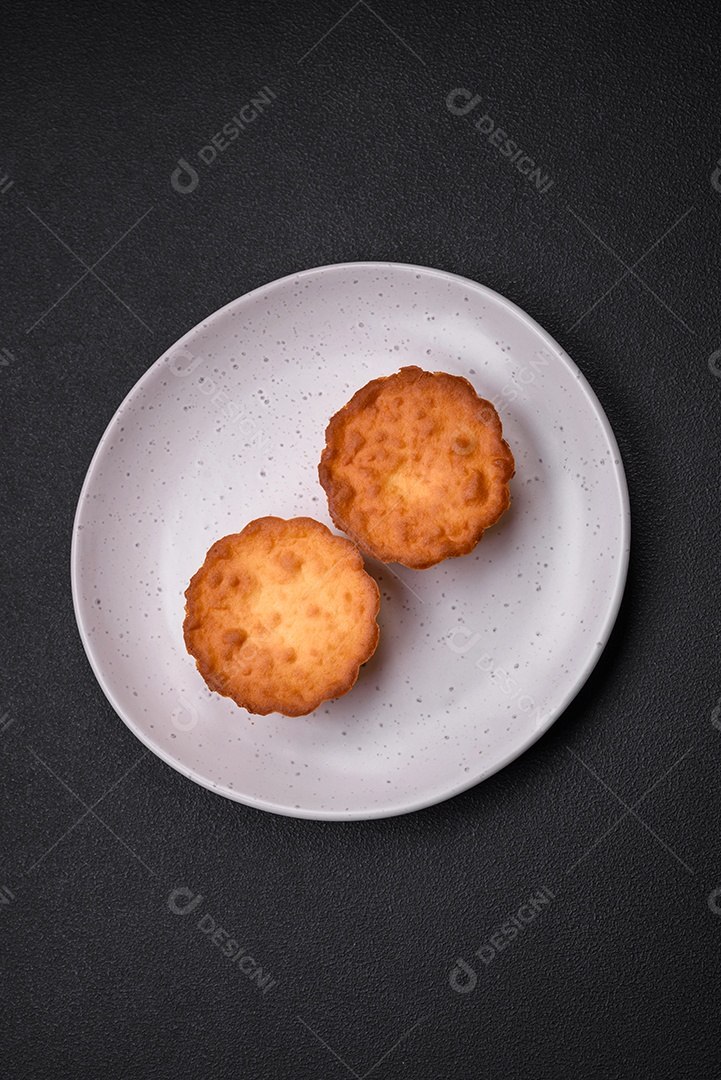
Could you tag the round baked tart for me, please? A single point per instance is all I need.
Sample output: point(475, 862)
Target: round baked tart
point(415, 467)
point(281, 616)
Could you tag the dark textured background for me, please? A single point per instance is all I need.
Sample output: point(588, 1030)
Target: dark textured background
point(359, 158)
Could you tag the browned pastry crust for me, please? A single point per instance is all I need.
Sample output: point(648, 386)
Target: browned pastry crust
point(281, 615)
point(415, 467)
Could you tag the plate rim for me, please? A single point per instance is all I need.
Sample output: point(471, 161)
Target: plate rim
point(579, 681)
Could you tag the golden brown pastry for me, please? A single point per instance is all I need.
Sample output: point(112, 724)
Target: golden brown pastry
point(415, 467)
point(281, 615)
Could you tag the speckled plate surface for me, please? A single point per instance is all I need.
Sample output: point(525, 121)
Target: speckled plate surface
point(477, 656)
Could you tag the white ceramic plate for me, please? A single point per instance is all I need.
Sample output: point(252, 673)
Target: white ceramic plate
point(477, 656)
